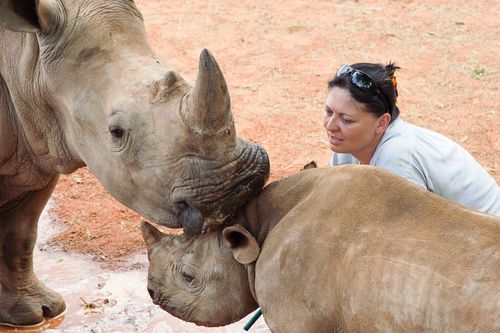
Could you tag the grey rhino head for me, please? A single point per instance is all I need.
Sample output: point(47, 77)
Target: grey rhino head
point(197, 278)
point(98, 96)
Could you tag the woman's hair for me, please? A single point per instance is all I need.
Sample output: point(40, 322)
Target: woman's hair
point(383, 77)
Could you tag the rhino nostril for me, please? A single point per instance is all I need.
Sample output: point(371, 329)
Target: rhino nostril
point(151, 293)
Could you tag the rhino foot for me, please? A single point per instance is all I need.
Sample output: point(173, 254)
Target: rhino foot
point(30, 306)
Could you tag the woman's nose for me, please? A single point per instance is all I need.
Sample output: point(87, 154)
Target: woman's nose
point(331, 123)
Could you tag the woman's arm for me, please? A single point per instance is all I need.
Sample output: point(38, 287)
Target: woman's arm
point(397, 156)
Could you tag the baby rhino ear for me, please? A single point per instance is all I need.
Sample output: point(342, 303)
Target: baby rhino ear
point(150, 234)
point(244, 246)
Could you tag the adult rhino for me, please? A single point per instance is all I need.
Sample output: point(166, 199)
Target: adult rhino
point(79, 85)
point(345, 249)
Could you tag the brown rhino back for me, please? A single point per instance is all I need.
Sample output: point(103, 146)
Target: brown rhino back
point(357, 249)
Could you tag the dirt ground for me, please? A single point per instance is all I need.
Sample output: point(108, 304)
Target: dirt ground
point(277, 57)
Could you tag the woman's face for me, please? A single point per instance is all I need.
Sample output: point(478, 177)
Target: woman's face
point(350, 128)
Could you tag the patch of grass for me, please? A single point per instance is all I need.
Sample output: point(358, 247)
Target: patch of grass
point(478, 72)
point(296, 27)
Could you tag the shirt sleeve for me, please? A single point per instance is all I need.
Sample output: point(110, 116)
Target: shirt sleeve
point(397, 157)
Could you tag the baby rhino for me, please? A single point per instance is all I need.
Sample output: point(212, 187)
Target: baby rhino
point(344, 249)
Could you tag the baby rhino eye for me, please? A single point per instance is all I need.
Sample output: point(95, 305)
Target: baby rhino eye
point(116, 132)
point(187, 277)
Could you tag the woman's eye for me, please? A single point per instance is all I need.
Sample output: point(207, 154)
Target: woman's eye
point(116, 132)
point(347, 121)
point(187, 277)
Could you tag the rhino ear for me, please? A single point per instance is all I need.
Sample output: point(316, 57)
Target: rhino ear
point(150, 234)
point(28, 15)
point(310, 165)
point(244, 246)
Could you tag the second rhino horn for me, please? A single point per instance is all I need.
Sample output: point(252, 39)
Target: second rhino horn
point(208, 104)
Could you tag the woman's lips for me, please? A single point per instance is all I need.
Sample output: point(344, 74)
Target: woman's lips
point(334, 140)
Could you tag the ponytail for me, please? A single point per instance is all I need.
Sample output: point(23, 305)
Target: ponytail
point(390, 70)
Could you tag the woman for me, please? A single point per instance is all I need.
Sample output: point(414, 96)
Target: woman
point(362, 126)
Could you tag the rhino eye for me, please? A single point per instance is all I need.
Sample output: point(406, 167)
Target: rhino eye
point(187, 277)
point(116, 132)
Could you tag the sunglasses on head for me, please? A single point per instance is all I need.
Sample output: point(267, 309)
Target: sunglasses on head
point(363, 81)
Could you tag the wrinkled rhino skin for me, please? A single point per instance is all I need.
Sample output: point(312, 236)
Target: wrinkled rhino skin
point(79, 85)
point(344, 249)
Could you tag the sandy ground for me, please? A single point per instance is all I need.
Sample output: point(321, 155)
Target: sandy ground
point(277, 57)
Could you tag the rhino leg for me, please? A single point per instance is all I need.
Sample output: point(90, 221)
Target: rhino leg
point(24, 300)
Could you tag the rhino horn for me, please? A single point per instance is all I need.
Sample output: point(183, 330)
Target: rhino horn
point(209, 108)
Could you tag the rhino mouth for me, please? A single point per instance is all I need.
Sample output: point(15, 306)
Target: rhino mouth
point(166, 305)
point(214, 207)
point(190, 218)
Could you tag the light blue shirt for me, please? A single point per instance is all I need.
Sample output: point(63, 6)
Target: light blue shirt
point(434, 162)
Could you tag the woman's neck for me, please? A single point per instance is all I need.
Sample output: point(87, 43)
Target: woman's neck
point(365, 155)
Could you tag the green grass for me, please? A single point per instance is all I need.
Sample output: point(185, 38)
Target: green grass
point(296, 27)
point(478, 72)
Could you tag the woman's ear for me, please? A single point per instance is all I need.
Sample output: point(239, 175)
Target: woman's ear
point(244, 246)
point(383, 122)
point(29, 15)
